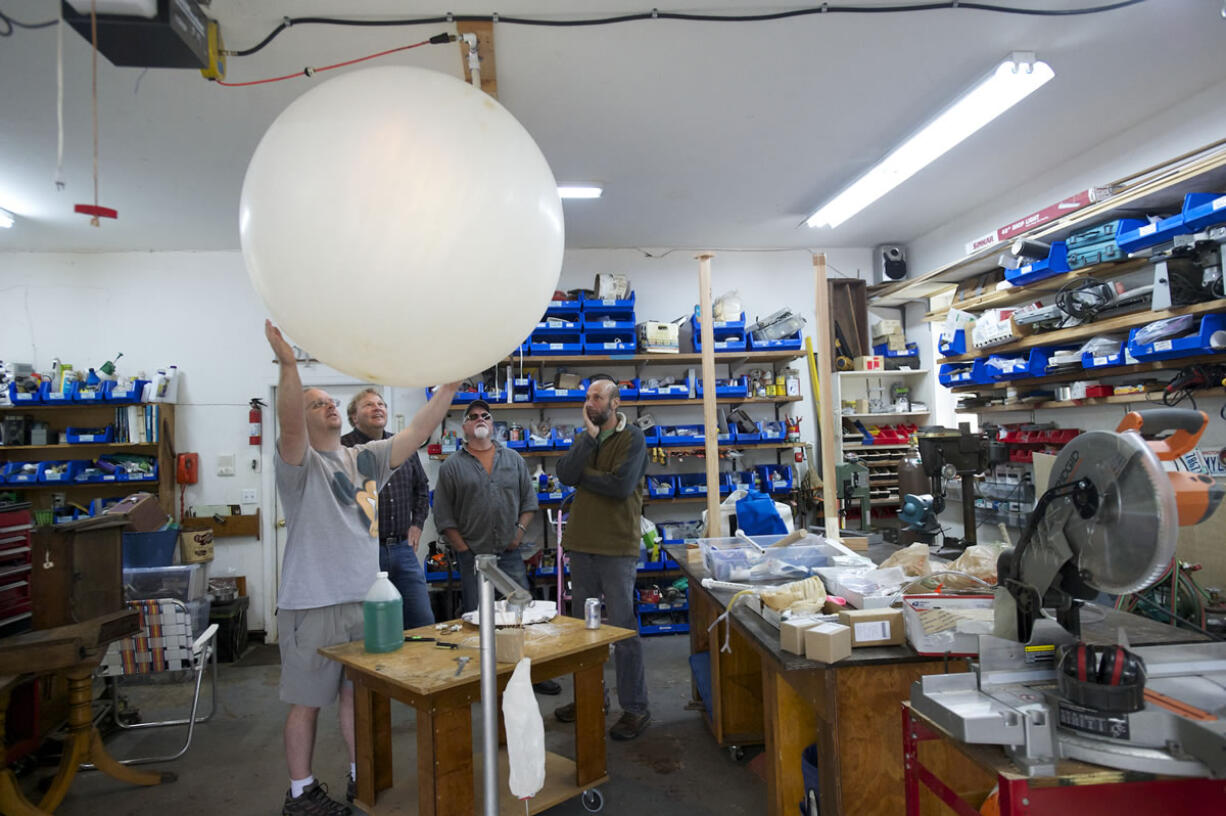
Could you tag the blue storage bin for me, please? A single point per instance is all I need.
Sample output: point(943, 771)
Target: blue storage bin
point(719, 326)
point(1173, 348)
point(562, 440)
point(554, 495)
point(692, 484)
point(556, 323)
point(556, 344)
point(628, 390)
point(461, 397)
point(1055, 263)
point(538, 443)
point(89, 436)
point(737, 387)
point(681, 435)
point(610, 345)
point(772, 431)
point(1035, 364)
point(674, 391)
point(17, 473)
point(598, 324)
point(495, 395)
point(954, 347)
point(777, 478)
point(156, 549)
point(93, 393)
point(563, 306)
point(651, 436)
point(1148, 235)
point(972, 373)
point(731, 342)
point(1091, 254)
point(523, 389)
point(1106, 231)
point(130, 392)
point(547, 393)
point(1206, 210)
point(141, 476)
point(754, 436)
point(608, 305)
point(661, 486)
point(48, 476)
point(791, 342)
point(92, 474)
point(1118, 357)
point(48, 397)
point(883, 349)
point(23, 397)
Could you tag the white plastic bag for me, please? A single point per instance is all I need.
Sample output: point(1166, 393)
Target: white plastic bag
point(525, 733)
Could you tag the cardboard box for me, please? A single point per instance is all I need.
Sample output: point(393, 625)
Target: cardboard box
point(873, 362)
point(142, 511)
point(659, 337)
point(567, 380)
point(195, 546)
point(792, 634)
point(828, 642)
point(885, 327)
point(874, 627)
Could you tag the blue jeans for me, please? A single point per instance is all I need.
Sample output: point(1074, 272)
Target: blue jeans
point(400, 563)
point(613, 577)
point(509, 561)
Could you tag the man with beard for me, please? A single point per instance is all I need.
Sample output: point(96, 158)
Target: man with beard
point(404, 503)
point(482, 505)
point(606, 465)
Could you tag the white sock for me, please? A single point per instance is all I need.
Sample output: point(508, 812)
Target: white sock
point(297, 786)
point(353, 771)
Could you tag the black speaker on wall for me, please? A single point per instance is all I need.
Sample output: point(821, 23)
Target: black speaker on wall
point(889, 263)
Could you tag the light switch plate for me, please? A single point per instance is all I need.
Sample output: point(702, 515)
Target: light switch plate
point(225, 464)
point(249, 496)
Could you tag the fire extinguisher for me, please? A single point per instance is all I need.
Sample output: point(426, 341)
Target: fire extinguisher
point(255, 419)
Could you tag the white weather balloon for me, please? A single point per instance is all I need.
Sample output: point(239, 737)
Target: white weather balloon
point(401, 226)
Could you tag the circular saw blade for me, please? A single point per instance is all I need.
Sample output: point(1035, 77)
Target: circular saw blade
point(1129, 542)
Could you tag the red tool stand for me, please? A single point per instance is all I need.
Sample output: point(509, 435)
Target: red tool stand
point(1078, 789)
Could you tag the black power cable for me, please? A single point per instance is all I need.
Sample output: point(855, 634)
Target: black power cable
point(7, 24)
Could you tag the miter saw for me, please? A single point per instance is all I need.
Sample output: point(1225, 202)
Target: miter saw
point(1108, 522)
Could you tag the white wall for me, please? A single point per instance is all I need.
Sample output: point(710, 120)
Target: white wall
point(198, 311)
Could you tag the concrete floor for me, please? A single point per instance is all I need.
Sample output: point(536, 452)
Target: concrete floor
point(236, 764)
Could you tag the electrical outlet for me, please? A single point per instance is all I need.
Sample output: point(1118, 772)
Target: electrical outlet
point(249, 496)
point(225, 464)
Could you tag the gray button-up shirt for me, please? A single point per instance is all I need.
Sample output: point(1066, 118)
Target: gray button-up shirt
point(483, 507)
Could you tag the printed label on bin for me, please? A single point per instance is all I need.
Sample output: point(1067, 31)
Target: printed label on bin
point(1148, 229)
point(872, 630)
point(1101, 361)
point(555, 345)
point(1162, 345)
point(1219, 203)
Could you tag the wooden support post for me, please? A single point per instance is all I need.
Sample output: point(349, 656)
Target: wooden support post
point(710, 422)
point(825, 409)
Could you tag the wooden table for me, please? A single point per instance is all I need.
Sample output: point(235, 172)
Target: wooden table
point(761, 694)
point(424, 676)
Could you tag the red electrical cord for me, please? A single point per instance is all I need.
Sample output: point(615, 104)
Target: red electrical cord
point(309, 72)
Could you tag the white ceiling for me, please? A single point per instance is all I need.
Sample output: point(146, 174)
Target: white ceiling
point(704, 135)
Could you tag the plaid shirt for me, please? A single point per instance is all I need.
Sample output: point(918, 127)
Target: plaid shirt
point(404, 501)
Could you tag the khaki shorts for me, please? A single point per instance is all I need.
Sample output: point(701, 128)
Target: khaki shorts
point(307, 677)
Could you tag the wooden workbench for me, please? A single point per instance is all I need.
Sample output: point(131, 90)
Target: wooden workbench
point(424, 676)
point(761, 694)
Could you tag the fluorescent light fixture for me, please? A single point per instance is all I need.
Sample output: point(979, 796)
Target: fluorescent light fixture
point(578, 191)
point(1009, 83)
point(6, 219)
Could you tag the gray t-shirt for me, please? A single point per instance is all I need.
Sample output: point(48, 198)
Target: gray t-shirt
point(483, 507)
point(332, 520)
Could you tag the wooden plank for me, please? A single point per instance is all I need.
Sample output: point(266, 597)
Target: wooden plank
point(736, 686)
point(711, 446)
point(1021, 294)
point(1111, 324)
point(824, 409)
point(374, 758)
point(590, 758)
point(484, 29)
point(1121, 399)
point(791, 726)
point(226, 526)
point(445, 762)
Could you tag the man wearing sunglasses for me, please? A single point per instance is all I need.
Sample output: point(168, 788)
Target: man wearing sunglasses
point(329, 493)
point(483, 502)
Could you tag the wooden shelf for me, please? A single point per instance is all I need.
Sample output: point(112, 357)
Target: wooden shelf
point(76, 406)
point(898, 372)
point(109, 487)
point(578, 404)
point(667, 448)
point(1149, 397)
point(884, 414)
point(82, 446)
point(1155, 188)
point(1093, 373)
point(1111, 324)
point(733, 357)
point(848, 446)
point(1020, 294)
point(226, 526)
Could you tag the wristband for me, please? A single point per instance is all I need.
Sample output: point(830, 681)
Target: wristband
point(521, 527)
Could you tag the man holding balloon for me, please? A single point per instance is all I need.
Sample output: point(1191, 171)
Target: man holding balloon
point(330, 495)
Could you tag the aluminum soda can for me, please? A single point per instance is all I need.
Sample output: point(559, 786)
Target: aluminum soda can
point(591, 613)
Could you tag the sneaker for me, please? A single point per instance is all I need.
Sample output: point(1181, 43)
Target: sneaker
point(566, 713)
point(351, 789)
point(314, 801)
point(630, 725)
point(548, 687)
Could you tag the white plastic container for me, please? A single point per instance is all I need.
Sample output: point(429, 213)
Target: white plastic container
point(127, 8)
